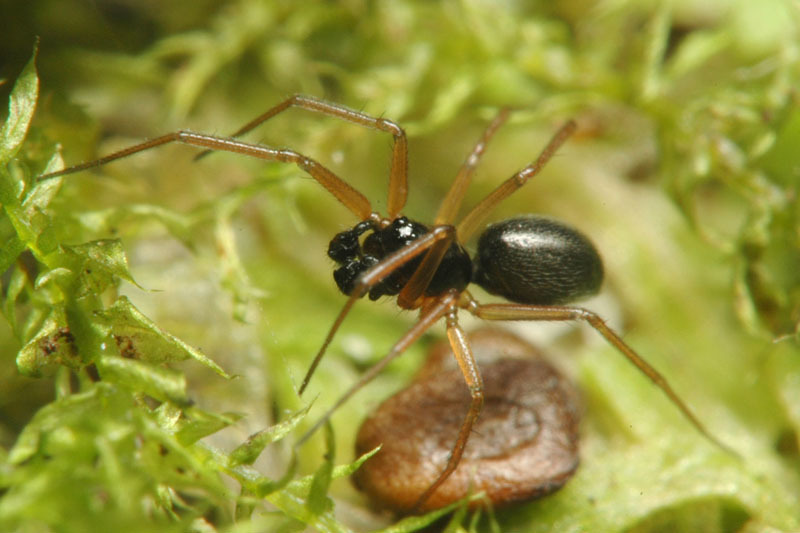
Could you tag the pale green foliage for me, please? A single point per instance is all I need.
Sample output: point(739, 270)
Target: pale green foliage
point(684, 172)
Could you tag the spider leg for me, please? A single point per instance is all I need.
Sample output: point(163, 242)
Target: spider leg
point(474, 218)
point(557, 313)
point(375, 275)
point(455, 195)
point(398, 177)
point(345, 193)
point(441, 306)
point(472, 376)
point(409, 297)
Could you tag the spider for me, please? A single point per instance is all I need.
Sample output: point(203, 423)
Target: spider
point(538, 264)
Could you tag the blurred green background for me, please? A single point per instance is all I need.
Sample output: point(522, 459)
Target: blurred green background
point(682, 172)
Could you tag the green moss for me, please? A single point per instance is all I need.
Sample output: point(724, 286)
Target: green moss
point(682, 171)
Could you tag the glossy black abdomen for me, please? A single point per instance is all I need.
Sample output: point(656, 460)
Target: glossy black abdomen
point(538, 261)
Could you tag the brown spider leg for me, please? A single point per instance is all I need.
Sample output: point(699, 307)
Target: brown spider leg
point(398, 176)
point(346, 194)
point(466, 362)
point(448, 210)
point(375, 275)
point(474, 218)
point(440, 306)
point(556, 313)
point(455, 195)
point(411, 294)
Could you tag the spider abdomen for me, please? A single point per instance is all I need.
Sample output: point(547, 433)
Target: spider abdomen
point(538, 261)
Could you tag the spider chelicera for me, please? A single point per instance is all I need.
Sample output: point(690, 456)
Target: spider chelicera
point(537, 263)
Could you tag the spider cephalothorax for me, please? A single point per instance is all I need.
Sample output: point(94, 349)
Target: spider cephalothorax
point(355, 257)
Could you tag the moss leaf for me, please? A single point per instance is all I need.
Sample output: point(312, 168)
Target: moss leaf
point(248, 452)
point(20, 112)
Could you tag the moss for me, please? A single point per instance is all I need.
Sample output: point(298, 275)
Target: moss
point(682, 172)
